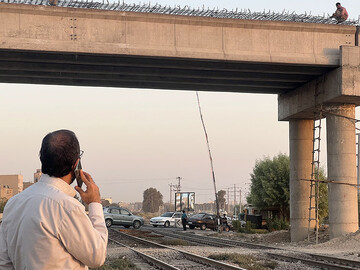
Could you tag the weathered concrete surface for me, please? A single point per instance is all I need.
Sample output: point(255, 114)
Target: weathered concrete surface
point(341, 85)
point(46, 28)
point(341, 161)
point(301, 135)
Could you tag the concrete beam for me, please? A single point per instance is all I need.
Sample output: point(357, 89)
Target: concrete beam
point(341, 85)
point(45, 28)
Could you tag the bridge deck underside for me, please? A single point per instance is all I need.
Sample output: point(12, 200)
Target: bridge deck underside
point(103, 70)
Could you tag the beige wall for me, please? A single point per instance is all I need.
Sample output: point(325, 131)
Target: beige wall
point(13, 181)
point(48, 28)
point(27, 184)
point(6, 193)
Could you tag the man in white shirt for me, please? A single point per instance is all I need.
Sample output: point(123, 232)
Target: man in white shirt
point(45, 227)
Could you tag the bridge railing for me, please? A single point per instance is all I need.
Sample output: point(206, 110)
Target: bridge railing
point(188, 11)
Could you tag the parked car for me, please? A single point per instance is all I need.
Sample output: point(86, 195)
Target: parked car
point(167, 219)
point(202, 221)
point(121, 216)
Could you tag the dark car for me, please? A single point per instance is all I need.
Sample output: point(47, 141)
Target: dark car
point(121, 216)
point(202, 221)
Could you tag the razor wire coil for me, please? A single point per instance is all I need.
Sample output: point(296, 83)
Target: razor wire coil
point(244, 14)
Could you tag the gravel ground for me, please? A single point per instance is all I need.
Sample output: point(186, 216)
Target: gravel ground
point(347, 246)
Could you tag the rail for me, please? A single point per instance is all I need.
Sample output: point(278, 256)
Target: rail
point(326, 262)
point(244, 14)
point(190, 256)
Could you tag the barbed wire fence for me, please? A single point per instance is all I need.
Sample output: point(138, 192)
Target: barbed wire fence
point(244, 14)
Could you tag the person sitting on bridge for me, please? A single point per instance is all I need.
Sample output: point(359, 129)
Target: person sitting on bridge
point(340, 14)
point(52, 2)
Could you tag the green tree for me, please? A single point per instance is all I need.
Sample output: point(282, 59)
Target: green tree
point(270, 186)
point(323, 198)
point(221, 198)
point(152, 199)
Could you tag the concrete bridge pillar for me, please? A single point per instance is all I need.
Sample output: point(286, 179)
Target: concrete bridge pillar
point(341, 159)
point(301, 136)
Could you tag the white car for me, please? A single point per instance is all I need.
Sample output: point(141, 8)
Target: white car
point(167, 219)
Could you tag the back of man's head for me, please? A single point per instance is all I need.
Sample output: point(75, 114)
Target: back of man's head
point(338, 4)
point(59, 151)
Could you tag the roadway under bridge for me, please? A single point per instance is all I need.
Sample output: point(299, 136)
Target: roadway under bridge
point(307, 64)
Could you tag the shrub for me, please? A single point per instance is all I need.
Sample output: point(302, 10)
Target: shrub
point(248, 228)
point(236, 225)
point(277, 224)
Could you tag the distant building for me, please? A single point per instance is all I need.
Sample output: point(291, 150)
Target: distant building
point(135, 207)
point(37, 175)
point(205, 207)
point(27, 184)
point(109, 200)
point(6, 192)
point(15, 182)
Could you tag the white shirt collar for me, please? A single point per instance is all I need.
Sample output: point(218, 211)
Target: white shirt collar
point(58, 184)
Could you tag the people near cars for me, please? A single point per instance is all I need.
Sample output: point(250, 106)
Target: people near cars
point(224, 219)
point(184, 220)
point(202, 221)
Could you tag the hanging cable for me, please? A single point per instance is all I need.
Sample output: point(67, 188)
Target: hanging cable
point(211, 160)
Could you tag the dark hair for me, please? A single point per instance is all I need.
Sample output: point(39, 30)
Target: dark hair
point(59, 151)
point(337, 4)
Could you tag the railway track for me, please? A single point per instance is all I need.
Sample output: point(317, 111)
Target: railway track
point(318, 261)
point(165, 257)
point(322, 261)
point(208, 240)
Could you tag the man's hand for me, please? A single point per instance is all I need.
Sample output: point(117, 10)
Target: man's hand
point(92, 193)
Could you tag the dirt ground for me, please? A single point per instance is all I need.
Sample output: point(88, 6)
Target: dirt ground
point(347, 246)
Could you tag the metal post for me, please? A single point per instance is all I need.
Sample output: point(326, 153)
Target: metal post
point(227, 207)
point(234, 194)
point(170, 185)
point(178, 186)
point(240, 202)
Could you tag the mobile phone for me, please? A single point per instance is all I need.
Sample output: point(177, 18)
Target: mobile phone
point(77, 174)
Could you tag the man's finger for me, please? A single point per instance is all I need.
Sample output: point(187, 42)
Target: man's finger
point(88, 177)
point(78, 189)
point(85, 177)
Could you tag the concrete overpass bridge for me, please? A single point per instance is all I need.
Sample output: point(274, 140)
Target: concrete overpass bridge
point(306, 64)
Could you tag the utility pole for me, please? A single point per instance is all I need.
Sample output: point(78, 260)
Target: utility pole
point(228, 200)
point(170, 185)
point(178, 186)
point(173, 188)
point(234, 194)
point(240, 202)
point(235, 200)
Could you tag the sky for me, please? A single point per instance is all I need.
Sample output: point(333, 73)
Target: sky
point(135, 139)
